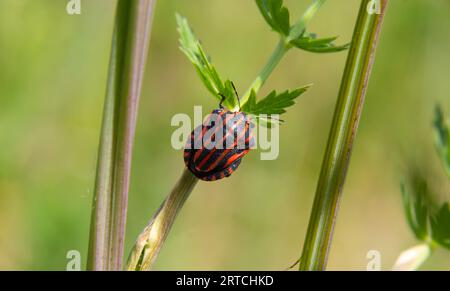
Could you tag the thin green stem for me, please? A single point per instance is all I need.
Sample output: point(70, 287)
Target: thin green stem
point(150, 241)
point(128, 57)
point(342, 134)
point(274, 60)
point(282, 48)
point(153, 236)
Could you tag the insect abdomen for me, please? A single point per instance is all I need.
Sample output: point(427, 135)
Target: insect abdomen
point(215, 149)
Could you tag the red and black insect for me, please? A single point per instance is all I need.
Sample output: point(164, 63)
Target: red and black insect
point(215, 148)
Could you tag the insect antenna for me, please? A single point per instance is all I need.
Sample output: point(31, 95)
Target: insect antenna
point(237, 95)
point(221, 101)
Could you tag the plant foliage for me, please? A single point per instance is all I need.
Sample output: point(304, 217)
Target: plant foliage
point(277, 16)
point(313, 44)
point(442, 132)
point(429, 221)
point(192, 48)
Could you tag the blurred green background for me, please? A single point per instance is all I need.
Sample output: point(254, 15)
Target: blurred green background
point(53, 70)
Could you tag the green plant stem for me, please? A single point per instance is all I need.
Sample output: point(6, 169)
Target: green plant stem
point(128, 57)
point(153, 236)
point(150, 241)
point(340, 141)
point(274, 60)
point(281, 49)
point(299, 28)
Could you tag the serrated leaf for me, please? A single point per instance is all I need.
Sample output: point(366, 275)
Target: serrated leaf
point(273, 103)
point(267, 110)
point(192, 48)
point(442, 133)
point(311, 43)
point(276, 15)
point(430, 223)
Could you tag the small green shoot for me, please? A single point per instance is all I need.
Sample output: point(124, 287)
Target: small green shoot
point(442, 133)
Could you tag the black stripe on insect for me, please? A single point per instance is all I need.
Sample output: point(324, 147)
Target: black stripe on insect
point(215, 149)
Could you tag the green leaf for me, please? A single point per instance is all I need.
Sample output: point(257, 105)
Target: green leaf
point(298, 29)
point(273, 103)
point(250, 105)
point(192, 48)
point(429, 222)
point(442, 133)
point(416, 208)
point(276, 15)
point(440, 226)
point(311, 43)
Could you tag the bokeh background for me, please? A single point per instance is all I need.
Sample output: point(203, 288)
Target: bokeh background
point(53, 70)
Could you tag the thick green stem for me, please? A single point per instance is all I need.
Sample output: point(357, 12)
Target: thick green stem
point(342, 134)
point(150, 241)
point(128, 58)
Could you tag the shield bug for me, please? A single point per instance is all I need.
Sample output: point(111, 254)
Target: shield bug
point(215, 149)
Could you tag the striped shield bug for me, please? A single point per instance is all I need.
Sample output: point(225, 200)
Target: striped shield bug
point(215, 149)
